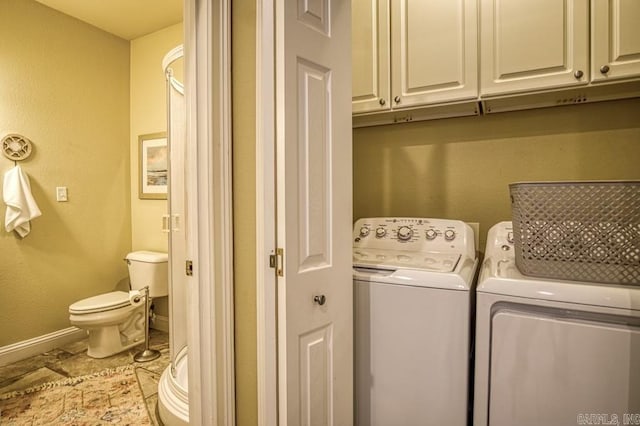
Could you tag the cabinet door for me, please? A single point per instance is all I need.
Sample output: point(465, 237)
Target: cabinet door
point(434, 51)
point(615, 39)
point(370, 55)
point(533, 44)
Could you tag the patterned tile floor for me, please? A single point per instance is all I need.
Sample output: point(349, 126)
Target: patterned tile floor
point(71, 360)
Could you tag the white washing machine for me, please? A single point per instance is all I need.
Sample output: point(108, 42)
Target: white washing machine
point(413, 282)
point(552, 353)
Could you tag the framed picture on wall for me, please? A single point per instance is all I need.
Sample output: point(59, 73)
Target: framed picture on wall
point(153, 159)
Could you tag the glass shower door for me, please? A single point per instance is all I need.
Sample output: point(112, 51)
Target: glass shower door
point(173, 389)
point(177, 193)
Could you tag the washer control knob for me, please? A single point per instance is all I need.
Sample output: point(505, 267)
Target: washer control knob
point(405, 233)
point(449, 235)
point(431, 234)
point(381, 232)
point(364, 231)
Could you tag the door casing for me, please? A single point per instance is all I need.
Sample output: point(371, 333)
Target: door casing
point(208, 164)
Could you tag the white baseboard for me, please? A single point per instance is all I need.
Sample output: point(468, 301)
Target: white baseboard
point(161, 323)
point(37, 345)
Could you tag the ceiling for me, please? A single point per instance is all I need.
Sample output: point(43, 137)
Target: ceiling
point(128, 19)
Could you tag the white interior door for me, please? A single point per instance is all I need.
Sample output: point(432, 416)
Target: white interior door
point(314, 204)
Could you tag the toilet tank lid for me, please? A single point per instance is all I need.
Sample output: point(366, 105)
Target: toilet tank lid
point(148, 256)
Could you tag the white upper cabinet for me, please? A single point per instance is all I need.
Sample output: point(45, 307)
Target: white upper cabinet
point(370, 55)
point(530, 45)
point(433, 49)
point(426, 59)
point(615, 39)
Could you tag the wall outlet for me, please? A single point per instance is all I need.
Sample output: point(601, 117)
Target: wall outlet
point(61, 193)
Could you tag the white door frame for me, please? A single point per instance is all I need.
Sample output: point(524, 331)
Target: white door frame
point(266, 291)
point(208, 167)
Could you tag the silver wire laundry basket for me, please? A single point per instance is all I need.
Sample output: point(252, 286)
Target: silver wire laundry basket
point(582, 231)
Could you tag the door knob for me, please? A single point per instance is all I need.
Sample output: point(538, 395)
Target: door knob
point(320, 300)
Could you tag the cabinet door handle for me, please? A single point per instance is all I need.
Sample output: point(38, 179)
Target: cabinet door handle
point(397, 99)
point(604, 69)
point(166, 219)
point(382, 101)
point(578, 74)
point(320, 300)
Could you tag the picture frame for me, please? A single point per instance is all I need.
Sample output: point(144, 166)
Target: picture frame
point(153, 170)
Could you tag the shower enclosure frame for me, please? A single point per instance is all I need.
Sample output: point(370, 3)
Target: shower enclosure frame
point(173, 392)
point(207, 53)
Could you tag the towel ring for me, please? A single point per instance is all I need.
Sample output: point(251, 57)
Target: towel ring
point(16, 147)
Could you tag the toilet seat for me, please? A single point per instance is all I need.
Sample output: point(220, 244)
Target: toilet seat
point(101, 303)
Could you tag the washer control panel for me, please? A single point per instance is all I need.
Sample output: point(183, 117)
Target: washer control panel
point(500, 241)
point(414, 234)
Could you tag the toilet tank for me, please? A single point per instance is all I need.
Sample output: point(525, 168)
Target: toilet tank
point(149, 268)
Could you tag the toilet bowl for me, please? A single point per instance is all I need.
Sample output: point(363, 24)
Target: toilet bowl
point(113, 323)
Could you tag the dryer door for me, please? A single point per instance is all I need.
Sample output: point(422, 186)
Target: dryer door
point(561, 367)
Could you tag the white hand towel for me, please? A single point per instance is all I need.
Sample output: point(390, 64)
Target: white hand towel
point(21, 207)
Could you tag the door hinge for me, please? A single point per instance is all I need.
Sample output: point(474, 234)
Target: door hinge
point(276, 261)
point(189, 268)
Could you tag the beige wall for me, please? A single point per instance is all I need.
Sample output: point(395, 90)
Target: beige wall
point(149, 115)
point(460, 168)
point(244, 208)
point(64, 85)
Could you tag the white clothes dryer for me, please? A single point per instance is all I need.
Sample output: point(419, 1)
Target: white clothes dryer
point(413, 282)
point(550, 352)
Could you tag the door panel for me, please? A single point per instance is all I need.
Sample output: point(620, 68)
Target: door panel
point(314, 166)
point(434, 54)
point(519, 24)
point(314, 204)
point(626, 14)
point(615, 39)
point(316, 373)
point(370, 57)
point(533, 44)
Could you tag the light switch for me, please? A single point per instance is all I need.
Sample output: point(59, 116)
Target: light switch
point(61, 193)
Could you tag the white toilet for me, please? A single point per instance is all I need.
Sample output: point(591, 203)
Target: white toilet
point(113, 323)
